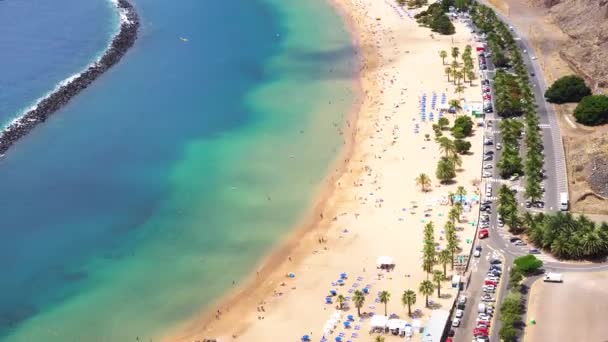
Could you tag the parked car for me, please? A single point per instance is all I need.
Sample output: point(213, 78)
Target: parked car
point(513, 239)
point(487, 166)
point(498, 146)
point(462, 300)
point(480, 331)
point(456, 322)
point(519, 243)
point(528, 204)
point(459, 313)
point(486, 174)
point(539, 204)
point(484, 233)
point(495, 261)
point(534, 251)
point(488, 158)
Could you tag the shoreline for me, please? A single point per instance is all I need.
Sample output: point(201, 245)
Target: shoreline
point(122, 41)
point(333, 201)
point(310, 223)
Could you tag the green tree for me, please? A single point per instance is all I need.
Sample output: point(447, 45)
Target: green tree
point(379, 338)
point(443, 122)
point(462, 146)
point(592, 110)
point(358, 300)
point(448, 72)
point(454, 103)
point(385, 296)
point(340, 299)
point(443, 54)
point(464, 124)
point(567, 89)
point(447, 147)
point(472, 76)
point(446, 170)
point(455, 52)
point(444, 258)
point(424, 181)
point(461, 192)
point(426, 288)
point(408, 299)
point(438, 278)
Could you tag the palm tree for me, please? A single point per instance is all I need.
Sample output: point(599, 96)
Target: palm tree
point(379, 338)
point(455, 52)
point(461, 192)
point(447, 146)
point(443, 54)
point(448, 71)
point(456, 104)
point(444, 257)
point(472, 76)
point(408, 298)
point(385, 296)
point(426, 288)
point(446, 170)
point(358, 299)
point(424, 181)
point(340, 299)
point(451, 198)
point(437, 278)
point(453, 214)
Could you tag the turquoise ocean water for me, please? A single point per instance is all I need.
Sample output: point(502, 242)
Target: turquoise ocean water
point(142, 200)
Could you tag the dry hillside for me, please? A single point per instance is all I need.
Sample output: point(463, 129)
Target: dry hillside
point(586, 23)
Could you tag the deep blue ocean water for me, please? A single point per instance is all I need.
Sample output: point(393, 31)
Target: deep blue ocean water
point(130, 203)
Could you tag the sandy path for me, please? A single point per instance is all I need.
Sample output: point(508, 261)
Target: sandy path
point(370, 212)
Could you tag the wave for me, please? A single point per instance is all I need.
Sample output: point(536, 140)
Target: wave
point(73, 85)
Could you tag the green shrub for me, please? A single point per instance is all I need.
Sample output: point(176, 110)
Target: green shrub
point(592, 110)
point(463, 124)
point(527, 264)
point(462, 146)
point(567, 89)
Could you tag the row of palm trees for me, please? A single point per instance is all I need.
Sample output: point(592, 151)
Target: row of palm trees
point(510, 161)
point(457, 72)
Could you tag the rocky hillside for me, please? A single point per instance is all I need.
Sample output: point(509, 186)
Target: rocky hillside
point(586, 22)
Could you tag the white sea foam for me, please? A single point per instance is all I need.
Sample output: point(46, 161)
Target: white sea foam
point(124, 20)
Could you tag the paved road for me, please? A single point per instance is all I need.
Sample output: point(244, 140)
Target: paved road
point(555, 164)
point(498, 244)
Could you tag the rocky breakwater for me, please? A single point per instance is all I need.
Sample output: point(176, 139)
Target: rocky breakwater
point(120, 44)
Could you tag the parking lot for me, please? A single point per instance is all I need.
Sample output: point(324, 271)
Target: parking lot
point(574, 310)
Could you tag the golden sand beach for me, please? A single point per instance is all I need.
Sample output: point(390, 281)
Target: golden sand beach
point(373, 207)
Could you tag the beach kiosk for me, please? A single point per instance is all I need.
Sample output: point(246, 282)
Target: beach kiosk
point(385, 262)
point(378, 323)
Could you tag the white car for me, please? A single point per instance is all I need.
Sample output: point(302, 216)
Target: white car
point(484, 317)
point(493, 278)
point(498, 146)
point(462, 300)
point(487, 166)
point(477, 254)
point(456, 322)
point(486, 174)
point(514, 177)
point(459, 313)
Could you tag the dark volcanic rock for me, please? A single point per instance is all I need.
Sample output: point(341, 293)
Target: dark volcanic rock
point(124, 39)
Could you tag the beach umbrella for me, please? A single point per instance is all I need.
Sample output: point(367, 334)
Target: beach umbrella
point(343, 275)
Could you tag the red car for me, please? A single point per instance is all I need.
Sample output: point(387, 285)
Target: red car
point(479, 321)
point(487, 97)
point(480, 331)
point(490, 282)
point(483, 233)
point(449, 339)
